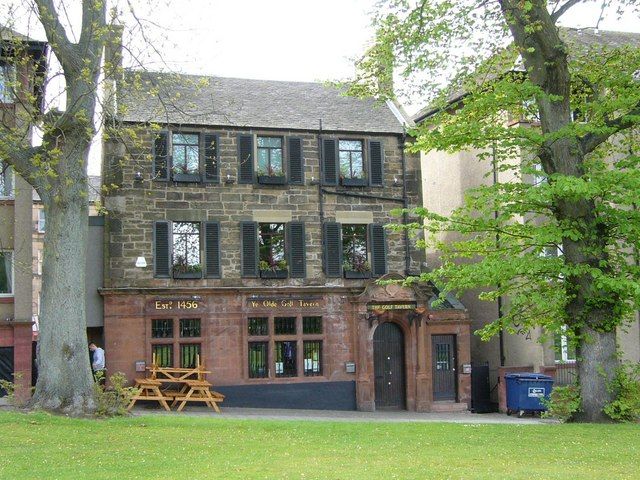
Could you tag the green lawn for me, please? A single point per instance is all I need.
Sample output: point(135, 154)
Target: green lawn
point(173, 447)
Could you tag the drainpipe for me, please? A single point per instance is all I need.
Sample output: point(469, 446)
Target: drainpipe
point(495, 216)
point(405, 204)
point(320, 193)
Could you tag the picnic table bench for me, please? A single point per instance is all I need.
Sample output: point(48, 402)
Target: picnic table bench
point(193, 387)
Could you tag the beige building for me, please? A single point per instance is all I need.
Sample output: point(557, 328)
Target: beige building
point(445, 179)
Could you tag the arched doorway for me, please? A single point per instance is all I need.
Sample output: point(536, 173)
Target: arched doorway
point(389, 367)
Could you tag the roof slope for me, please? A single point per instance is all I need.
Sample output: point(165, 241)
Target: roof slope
point(236, 102)
point(586, 38)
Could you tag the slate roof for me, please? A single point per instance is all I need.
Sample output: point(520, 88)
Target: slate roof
point(575, 38)
point(238, 102)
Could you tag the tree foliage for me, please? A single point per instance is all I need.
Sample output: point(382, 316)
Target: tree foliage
point(553, 115)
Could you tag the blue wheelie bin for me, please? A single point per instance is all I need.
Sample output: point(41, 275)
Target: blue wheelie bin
point(524, 391)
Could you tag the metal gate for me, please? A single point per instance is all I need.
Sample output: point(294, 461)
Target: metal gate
point(388, 359)
point(444, 367)
point(6, 366)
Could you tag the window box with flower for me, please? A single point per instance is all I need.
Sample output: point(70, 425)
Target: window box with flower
point(273, 270)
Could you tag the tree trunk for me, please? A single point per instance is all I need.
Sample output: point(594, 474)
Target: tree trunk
point(596, 369)
point(65, 382)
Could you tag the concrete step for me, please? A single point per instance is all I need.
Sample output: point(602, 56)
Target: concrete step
point(448, 407)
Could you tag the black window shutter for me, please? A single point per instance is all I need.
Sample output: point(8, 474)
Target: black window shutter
point(211, 158)
point(332, 249)
point(296, 162)
point(296, 249)
point(212, 249)
point(161, 156)
point(376, 161)
point(330, 162)
point(249, 249)
point(162, 251)
point(378, 247)
point(245, 158)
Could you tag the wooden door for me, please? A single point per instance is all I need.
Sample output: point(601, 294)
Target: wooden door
point(444, 366)
point(389, 366)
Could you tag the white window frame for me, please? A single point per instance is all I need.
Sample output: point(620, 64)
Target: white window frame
point(12, 293)
point(8, 173)
point(564, 348)
point(41, 221)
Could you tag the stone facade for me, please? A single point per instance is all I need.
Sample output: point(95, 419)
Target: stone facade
point(135, 300)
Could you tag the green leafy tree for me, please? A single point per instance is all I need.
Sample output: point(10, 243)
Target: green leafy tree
point(557, 116)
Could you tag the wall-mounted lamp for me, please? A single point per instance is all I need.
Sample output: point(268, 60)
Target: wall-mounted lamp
point(141, 262)
point(313, 181)
point(229, 180)
point(396, 181)
point(137, 178)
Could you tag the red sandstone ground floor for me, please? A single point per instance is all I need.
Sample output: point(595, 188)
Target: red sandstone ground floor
point(299, 347)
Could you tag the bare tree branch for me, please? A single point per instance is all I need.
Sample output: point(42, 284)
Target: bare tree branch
point(563, 9)
point(56, 34)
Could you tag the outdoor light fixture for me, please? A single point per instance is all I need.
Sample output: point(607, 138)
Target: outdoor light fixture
point(141, 262)
point(396, 182)
point(313, 181)
point(229, 180)
point(137, 178)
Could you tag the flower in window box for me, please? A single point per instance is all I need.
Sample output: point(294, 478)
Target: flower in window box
point(352, 179)
point(269, 176)
point(183, 173)
point(182, 269)
point(356, 267)
point(273, 269)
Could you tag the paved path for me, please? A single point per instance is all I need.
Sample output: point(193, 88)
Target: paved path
point(343, 416)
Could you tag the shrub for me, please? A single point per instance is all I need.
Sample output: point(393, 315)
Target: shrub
point(10, 387)
point(114, 400)
point(626, 388)
point(563, 403)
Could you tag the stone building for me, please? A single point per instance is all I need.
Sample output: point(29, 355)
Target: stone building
point(18, 80)
point(245, 225)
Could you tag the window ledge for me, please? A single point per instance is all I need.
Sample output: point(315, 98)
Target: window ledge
point(272, 180)
point(356, 275)
point(6, 298)
point(187, 275)
point(277, 274)
point(354, 182)
point(187, 177)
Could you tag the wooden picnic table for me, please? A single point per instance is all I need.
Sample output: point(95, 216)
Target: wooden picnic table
point(193, 387)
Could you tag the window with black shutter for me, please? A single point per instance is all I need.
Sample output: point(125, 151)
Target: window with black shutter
point(162, 254)
point(249, 249)
point(378, 247)
point(211, 159)
point(161, 156)
point(376, 162)
point(212, 249)
point(245, 159)
point(296, 161)
point(329, 162)
point(296, 250)
point(332, 249)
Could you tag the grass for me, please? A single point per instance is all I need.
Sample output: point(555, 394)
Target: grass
point(34, 446)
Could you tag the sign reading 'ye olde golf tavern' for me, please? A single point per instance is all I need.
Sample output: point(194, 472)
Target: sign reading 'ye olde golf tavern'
point(285, 303)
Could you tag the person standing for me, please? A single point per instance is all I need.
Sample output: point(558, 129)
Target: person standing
point(98, 365)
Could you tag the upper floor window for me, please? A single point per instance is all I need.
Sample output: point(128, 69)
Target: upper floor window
point(6, 181)
point(7, 82)
point(355, 257)
point(41, 221)
point(565, 348)
point(186, 249)
point(270, 160)
point(6, 273)
point(186, 154)
point(272, 261)
point(273, 250)
point(354, 250)
point(351, 161)
point(186, 157)
point(270, 157)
